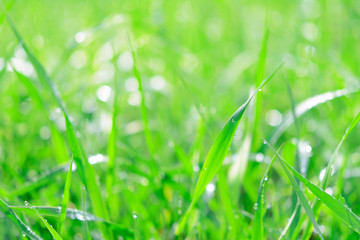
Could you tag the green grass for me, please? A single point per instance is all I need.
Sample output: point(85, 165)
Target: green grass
point(114, 119)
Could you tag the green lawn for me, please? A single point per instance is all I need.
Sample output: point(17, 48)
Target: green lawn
point(179, 119)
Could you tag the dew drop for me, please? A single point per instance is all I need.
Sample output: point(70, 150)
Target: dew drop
point(260, 89)
point(232, 120)
point(134, 216)
point(265, 142)
point(255, 206)
point(259, 157)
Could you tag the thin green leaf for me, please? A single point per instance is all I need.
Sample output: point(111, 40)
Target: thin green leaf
point(342, 211)
point(287, 227)
point(227, 204)
point(8, 212)
point(55, 235)
point(42, 180)
point(299, 193)
point(66, 197)
point(257, 227)
point(86, 171)
point(353, 123)
point(307, 105)
point(87, 231)
point(217, 153)
point(110, 176)
point(259, 75)
point(324, 181)
point(299, 161)
point(144, 114)
point(75, 214)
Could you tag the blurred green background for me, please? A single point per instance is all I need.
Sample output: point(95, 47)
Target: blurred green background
point(198, 61)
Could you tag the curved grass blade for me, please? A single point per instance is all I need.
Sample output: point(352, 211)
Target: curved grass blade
point(55, 235)
point(307, 105)
point(258, 226)
point(324, 181)
point(299, 162)
point(39, 182)
point(342, 211)
point(298, 191)
point(291, 219)
point(353, 123)
point(217, 153)
point(8, 212)
point(33, 92)
point(86, 171)
point(75, 214)
point(66, 197)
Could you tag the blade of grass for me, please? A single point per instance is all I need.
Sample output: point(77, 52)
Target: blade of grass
point(324, 181)
point(39, 182)
point(259, 75)
point(110, 176)
point(227, 204)
point(294, 220)
point(287, 227)
point(307, 105)
point(8, 212)
point(144, 114)
point(79, 156)
point(65, 198)
point(55, 235)
point(339, 209)
point(299, 193)
point(74, 214)
point(83, 199)
point(258, 226)
point(217, 153)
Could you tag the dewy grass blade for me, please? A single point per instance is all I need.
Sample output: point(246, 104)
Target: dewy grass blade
point(324, 181)
point(55, 235)
point(342, 211)
point(66, 197)
point(299, 161)
point(86, 171)
point(304, 202)
point(8, 212)
point(258, 226)
point(290, 221)
point(353, 123)
point(75, 214)
point(217, 153)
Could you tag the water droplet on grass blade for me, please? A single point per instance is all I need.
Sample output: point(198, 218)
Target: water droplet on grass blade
point(259, 156)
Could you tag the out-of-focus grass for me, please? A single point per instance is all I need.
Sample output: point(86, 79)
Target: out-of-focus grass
point(147, 135)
